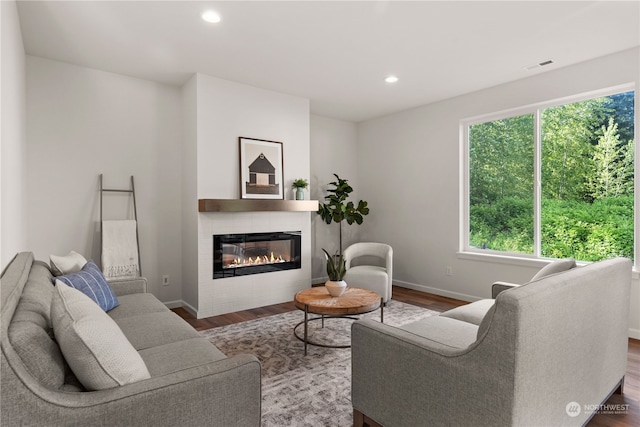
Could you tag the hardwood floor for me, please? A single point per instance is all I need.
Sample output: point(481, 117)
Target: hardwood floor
point(231, 318)
point(631, 396)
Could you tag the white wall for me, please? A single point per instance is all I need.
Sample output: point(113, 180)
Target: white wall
point(409, 170)
point(190, 195)
point(13, 158)
point(333, 150)
point(228, 110)
point(82, 122)
point(225, 111)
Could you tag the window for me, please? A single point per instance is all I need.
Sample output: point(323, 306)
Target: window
point(582, 155)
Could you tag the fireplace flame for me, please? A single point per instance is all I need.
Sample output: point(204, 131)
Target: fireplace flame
point(264, 259)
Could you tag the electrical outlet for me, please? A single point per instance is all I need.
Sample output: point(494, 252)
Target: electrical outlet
point(165, 280)
point(449, 271)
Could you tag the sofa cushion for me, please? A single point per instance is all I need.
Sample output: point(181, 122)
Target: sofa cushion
point(370, 277)
point(93, 345)
point(39, 353)
point(35, 302)
point(471, 313)
point(30, 329)
point(136, 304)
point(444, 331)
point(556, 266)
point(365, 272)
point(92, 283)
point(168, 327)
point(66, 264)
point(177, 356)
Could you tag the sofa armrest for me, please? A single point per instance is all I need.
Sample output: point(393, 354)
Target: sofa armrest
point(498, 287)
point(400, 378)
point(226, 392)
point(136, 285)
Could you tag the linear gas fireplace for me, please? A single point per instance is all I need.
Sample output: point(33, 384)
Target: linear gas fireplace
point(255, 253)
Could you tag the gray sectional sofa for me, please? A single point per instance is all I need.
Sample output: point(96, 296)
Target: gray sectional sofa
point(546, 353)
point(191, 382)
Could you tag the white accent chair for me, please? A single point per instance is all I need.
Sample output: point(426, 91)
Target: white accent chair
point(376, 278)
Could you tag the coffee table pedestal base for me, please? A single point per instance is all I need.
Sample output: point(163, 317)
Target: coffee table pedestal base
point(305, 338)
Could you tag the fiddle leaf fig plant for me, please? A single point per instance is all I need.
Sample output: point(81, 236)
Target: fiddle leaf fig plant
point(338, 209)
point(335, 266)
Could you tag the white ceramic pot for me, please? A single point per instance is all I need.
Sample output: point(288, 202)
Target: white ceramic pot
point(336, 288)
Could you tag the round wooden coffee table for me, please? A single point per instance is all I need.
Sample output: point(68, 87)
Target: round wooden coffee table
point(317, 300)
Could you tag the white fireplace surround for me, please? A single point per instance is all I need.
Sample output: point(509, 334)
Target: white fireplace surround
point(244, 292)
point(216, 113)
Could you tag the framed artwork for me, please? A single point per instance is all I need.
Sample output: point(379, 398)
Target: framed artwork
point(261, 169)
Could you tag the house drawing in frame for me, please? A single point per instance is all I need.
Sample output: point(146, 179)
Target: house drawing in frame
point(261, 169)
point(262, 177)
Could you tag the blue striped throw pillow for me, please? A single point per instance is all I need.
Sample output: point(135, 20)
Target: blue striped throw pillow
point(91, 282)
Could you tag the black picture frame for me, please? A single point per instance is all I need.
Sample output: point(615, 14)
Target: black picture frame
point(261, 169)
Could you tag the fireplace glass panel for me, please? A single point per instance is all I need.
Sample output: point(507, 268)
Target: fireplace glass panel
point(255, 253)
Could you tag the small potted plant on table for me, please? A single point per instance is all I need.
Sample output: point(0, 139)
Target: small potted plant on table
point(335, 270)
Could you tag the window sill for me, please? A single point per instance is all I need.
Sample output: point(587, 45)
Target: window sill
point(503, 259)
point(520, 261)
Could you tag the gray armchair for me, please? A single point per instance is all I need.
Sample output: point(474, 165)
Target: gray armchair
point(518, 361)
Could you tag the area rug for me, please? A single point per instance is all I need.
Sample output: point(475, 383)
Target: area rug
point(299, 390)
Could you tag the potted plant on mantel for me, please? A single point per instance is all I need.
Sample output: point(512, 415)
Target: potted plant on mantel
point(299, 185)
point(338, 209)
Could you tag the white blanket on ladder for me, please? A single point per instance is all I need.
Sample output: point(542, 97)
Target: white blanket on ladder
point(120, 249)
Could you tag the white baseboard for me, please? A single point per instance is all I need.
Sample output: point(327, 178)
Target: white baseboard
point(634, 333)
point(191, 309)
point(436, 291)
point(174, 304)
point(180, 303)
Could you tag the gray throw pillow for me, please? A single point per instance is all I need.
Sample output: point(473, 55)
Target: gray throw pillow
point(556, 266)
point(93, 345)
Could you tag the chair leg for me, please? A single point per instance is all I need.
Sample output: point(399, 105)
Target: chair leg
point(361, 420)
point(358, 418)
point(620, 389)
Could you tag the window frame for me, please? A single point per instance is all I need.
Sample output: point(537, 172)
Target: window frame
point(535, 259)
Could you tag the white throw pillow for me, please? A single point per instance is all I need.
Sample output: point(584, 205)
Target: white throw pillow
point(67, 264)
point(93, 345)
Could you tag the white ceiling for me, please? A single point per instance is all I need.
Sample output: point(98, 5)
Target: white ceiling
point(335, 53)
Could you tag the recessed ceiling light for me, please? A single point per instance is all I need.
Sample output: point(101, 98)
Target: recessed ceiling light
point(211, 16)
point(391, 79)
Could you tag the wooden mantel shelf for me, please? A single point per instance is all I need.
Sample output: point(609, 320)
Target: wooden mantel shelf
point(256, 205)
